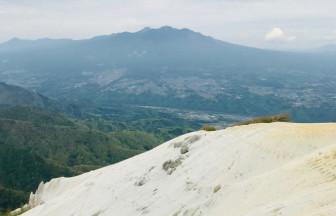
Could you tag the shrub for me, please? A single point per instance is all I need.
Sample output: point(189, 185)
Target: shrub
point(217, 188)
point(284, 117)
point(184, 149)
point(208, 128)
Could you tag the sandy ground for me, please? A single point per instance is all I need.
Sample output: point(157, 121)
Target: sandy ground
point(273, 169)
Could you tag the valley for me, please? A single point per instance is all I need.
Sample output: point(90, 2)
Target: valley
point(175, 68)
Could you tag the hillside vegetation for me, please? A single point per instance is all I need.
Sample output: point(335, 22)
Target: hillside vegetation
point(36, 145)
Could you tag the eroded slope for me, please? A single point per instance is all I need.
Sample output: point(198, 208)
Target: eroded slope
point(254, 170)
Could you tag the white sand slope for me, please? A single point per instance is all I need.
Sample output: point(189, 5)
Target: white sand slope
point(256, 170)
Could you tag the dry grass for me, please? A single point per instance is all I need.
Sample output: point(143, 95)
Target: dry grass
point(284, 117)
point(208, 128)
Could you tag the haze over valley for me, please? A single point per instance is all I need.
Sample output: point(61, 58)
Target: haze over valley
point(175, 68)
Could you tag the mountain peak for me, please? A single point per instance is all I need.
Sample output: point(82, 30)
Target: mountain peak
point(14, 39)
point(163, 29)
point(145, 29)
point(166, 33)
point(167, 28)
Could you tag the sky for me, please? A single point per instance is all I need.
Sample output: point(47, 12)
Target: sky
point(274, 24)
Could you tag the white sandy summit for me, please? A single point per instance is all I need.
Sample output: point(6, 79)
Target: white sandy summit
point(256, 170)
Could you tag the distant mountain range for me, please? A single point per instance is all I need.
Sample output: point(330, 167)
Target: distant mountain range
point(176, 68)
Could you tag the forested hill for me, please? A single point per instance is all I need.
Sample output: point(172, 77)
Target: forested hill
point(37, 145)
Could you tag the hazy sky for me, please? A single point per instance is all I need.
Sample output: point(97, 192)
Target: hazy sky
point(281, 24)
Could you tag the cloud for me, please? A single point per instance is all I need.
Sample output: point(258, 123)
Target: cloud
point(331, 37)
point(278, 35)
